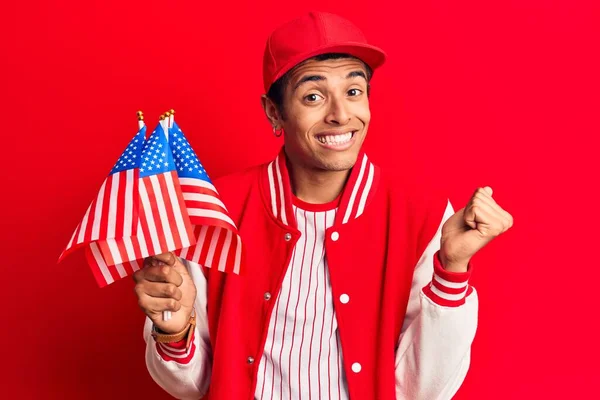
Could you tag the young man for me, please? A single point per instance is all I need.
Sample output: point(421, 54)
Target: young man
point(355, 283)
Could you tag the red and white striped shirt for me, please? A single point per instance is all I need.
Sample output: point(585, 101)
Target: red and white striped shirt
point(303, 356)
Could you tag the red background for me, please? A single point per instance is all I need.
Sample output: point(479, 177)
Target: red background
point(473, 93)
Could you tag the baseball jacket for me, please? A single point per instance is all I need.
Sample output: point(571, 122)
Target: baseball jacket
point(407, 329)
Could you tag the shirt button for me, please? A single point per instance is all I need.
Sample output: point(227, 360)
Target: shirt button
point(288, 237)
point(344, 298)
point(356, 367)
point(267, 296)
point(250, 360)
point(335, 236)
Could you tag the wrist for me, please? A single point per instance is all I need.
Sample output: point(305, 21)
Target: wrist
point(186, 333)
point(176, 324)
point(453, 265)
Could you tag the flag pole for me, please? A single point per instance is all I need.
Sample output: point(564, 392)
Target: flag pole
point(168, 123)
point(164, 124)
point(140, 117)
point(171, 117)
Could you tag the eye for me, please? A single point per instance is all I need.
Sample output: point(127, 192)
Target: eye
point(311, 98)
point(354, 92)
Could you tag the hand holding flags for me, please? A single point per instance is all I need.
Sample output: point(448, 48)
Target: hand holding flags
point(157, 198)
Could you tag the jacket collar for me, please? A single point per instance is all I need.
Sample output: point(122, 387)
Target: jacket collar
point(357, 193)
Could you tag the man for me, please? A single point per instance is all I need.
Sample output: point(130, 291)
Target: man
point(337, 300)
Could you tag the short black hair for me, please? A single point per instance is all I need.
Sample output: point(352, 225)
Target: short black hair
point(277, 89)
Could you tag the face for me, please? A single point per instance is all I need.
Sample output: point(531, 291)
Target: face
point(326, 112)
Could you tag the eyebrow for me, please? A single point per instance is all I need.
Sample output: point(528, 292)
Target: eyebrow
point(317, 78)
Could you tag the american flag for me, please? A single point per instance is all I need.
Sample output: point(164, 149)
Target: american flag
point(163, 224)
point(113, 214)
point(218, 242)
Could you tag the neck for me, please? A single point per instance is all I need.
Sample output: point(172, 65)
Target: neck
point(316, 186)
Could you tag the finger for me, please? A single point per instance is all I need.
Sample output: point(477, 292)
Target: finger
point(162, 273)
point(159, 289)
point(489, 203)
point(487, 222)
point(484, 197)
point(167, 258)
point(495, 212)
point(156, 305)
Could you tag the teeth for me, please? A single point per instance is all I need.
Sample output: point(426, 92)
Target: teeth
point(335, 139)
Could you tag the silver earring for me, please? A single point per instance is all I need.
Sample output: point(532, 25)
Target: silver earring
point(276, 132)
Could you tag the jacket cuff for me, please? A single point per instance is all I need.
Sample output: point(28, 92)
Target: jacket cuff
point(175, 351)
point(448, 288)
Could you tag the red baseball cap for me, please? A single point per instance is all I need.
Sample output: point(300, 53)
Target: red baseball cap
point(313, 34)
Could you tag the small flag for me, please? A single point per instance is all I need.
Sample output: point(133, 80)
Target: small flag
point(218, 242)
point(163, 223)
point(113, 214)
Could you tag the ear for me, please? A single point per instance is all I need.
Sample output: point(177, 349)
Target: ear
point(271, 111)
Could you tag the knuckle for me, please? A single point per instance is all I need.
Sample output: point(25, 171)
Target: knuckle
point(165, 270)
point(142, 304)
point(149, 261)
point(138, 275)
point(170, 290)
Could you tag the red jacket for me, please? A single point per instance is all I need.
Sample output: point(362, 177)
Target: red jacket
point(385, 227)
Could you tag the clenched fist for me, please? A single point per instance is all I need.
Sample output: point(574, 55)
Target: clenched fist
point(471, 228)
point(164, 284)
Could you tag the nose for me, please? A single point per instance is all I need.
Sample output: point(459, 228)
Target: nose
point(337, 113)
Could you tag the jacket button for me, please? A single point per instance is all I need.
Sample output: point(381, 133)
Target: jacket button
point(267, 296)
point(335, 236)
point(356, 367)
point(344, 299)
point(288, 237)
point(250, 360)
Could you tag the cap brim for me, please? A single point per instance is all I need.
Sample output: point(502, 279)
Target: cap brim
point(373, 56)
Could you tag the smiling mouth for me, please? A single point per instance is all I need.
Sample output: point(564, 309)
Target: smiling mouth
point(338, 139)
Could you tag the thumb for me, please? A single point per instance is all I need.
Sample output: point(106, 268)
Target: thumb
point(171, 260)
point(469, 217)
point(166, 258)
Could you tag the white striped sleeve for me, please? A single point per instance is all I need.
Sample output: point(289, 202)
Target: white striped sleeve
point(183, 374)
point(433, 354)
